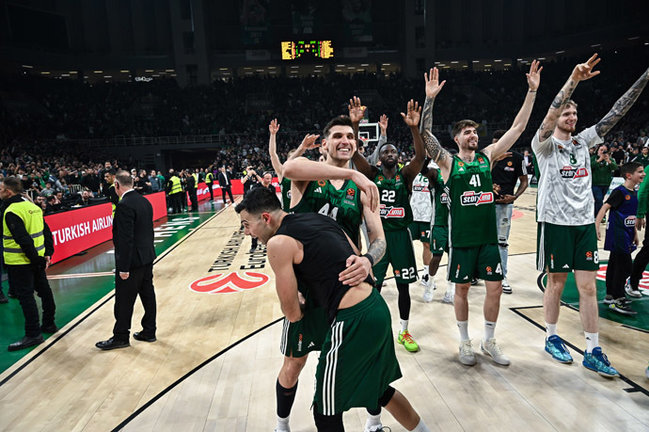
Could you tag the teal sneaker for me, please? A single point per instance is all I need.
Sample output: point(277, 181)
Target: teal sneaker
point(598, 362)
point(556, 348)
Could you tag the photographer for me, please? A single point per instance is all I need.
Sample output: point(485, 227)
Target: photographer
point(603, 168)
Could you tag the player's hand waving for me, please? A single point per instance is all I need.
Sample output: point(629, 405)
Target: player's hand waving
point(308, 143)
point(534, 75)
point(273, 127)
point(383, 124)
point(413, 114)
point(356, 110)
point(584, 71)
point(433, 86)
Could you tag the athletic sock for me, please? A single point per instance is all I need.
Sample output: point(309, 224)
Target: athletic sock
point(550, 329)
point(282, 423)
point(373, 420)
point(592, 341)
point(404, 325)
point(421, 427)
point(285, 398)
point(464, 330)
point(489, 330)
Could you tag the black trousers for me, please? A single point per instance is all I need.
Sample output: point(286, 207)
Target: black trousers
point(209, 186)
point(193, 198)
point(139, 282)
point(227, 189)
point(640, 262)
point(618, 269)
point(176, 201)
point(24, 280)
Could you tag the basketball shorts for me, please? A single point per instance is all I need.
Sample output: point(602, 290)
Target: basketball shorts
point(466, 263)
point(306, 335)
point(420, 231)
point(357, 362)
point(563, 248)
point(400, 254)
point(439, 240)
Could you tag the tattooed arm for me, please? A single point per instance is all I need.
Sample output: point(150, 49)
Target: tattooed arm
point(433, 147)
point(622, 105)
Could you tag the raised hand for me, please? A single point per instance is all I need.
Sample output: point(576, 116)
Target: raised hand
point(383, 124)
point(433, 86)
point(356, 110)
point(309, 142)
point(584, 71)
point(413, 114)
point(273, 127)
point(534, 75)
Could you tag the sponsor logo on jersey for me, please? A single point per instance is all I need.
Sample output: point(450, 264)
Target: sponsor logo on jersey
point(311, 344)
point(489, 270)
point(443, 198)
point(322, 183)
point(569, 172)
point(460, 164)
point(397, 273)
point(318, 190)
point(222, 283)
point(629, 222)
point(299, 342)
point(552, 260)
point(589, 256)
point(381, 178)
point(351, 194)
point(470, 198)
point(480, 160)
point(420, 188)
point(510, 163)
point(627, 197)
point(392, 212)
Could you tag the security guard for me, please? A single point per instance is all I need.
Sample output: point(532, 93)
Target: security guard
point(175, 191)
point(109, 177)
point(209, 180)
point(28, 247)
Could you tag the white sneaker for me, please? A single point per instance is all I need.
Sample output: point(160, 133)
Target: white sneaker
point(492, 349)
point(374, 428)
point(425, 281)
point(467, 356)
point(632, 292)
point(428, 291)
point(448, 297)
point(506, 288)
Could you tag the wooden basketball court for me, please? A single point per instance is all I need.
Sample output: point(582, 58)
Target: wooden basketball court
point(215, 363)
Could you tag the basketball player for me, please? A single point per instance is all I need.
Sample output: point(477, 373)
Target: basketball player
point(345, 195)
point(358, 362)
point(395, 184)
point(566, 233)
point(422, 208)
point(472, 222)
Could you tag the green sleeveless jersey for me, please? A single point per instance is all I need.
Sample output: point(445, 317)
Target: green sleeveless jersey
point(285, 186)
point(440, 206)
point(396, 213)
point(342, 205)
point(471, 203)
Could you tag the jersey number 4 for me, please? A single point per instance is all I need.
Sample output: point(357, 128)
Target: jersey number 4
point(475, 181)
point(325, 211)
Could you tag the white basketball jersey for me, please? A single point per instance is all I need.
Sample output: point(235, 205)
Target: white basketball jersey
point(421, 200)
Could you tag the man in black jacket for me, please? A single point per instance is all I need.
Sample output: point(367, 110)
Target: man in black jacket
point(134, 255)
point(28, 247)
point(225, 183)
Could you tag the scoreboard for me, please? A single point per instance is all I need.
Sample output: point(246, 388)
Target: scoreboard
point(307, 49)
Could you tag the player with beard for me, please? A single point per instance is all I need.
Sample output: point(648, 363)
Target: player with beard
point(567, 238)
point(395, 186)
point(345, 195)
point(472, 218)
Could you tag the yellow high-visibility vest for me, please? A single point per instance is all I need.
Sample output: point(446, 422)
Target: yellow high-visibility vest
point(176, 187)
point(32, 217)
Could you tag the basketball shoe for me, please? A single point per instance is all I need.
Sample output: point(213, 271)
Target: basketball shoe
point(491, 348)
point(407, 341)
point(428, 290)
point(506, 288)
point(557, 349)
point(598, 362)
point(622, 306)
point(467, 356)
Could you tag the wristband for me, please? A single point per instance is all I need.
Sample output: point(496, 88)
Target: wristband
point(370, 258)
point(531, 91)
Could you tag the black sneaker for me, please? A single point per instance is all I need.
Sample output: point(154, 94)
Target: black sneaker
point(622, 306)
point(474, 281)
point(609, 299)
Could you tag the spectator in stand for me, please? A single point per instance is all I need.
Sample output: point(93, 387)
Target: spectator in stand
point(642, 140)
point(602, 167)
point(619, 155)
point(90, 181)
point(642, 158)
point(155, 182)
point(84, 198)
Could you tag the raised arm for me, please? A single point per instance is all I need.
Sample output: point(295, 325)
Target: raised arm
point(622, 105)
point(581, 72)
point(273, 127)
point(383, 138)
point(494, 151)
point(411, 118)
point(356, 113)
point(432, 145)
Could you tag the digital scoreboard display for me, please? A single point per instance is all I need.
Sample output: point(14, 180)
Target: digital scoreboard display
point(307, 49)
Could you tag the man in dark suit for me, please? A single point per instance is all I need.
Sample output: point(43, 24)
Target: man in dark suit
point(134, 255)
point(225, 182)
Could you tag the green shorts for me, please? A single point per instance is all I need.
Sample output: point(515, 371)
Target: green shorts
point(306, 335)
point(400, 254)
point(420, 231)
point(563, 248)
point(439, 240)
point(466, 263)
point(357, 362)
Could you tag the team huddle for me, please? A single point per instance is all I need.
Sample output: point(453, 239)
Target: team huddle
point(330, 292)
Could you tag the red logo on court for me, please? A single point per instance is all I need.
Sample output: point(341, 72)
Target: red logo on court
point(222, 283)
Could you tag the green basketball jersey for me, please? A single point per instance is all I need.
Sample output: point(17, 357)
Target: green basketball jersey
point(396, 213)
point(285, 186)
point(440, 206)
point(342, 205)
point(471, 203)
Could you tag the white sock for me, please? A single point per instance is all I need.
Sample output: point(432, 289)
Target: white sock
point(372, 420)
point(282, 423)
point(489, 330)
point(464, 330)
point(421, 427)
point(450, 288)
point(592, 341)
point(550, 329)
point(404, 325)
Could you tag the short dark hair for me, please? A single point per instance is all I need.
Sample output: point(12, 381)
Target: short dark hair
point(13, 184)
point(110, 171)
point(124, 178)
point(458, 126)
point(341, 120)
point(629, 168)
point(259, 200)
point(498, 134)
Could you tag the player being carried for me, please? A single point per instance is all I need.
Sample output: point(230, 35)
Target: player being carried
point(472, 217)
